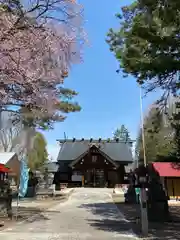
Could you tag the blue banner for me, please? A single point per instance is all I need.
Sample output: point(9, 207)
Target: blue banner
point(24, 177)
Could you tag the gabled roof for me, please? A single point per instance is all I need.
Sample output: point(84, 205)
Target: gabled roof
point(99, 150)
point(117, 151)
point(5, 157)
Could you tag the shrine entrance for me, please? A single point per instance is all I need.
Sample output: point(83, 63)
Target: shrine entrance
point(95, 178)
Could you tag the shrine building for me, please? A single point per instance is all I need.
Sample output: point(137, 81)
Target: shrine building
point(93, 163)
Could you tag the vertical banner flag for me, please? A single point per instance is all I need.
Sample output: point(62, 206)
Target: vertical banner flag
point(24, 177)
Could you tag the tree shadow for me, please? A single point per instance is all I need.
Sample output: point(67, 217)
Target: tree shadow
point(163, 231)
point(175, 165)
point(118, 226)
point(101, 209)
point(167, 231)
point(26, 214)
point(107, 218)
point(132, 213)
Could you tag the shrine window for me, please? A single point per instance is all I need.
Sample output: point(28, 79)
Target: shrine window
point(78, 173)
point(94, 158)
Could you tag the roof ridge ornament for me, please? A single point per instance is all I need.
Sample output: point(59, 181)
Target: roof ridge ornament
point(98, 141)
point(98, 145)
point(92, 144)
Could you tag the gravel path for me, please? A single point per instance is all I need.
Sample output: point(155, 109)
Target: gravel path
point(88, 214)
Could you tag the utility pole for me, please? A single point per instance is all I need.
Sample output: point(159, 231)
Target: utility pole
point(143, 197)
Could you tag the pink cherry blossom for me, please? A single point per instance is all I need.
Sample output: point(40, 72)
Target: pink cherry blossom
point(38, 44)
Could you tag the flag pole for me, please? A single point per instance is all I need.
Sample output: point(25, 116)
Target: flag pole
point(23, 155)
point(143, 197)
point(17, 203)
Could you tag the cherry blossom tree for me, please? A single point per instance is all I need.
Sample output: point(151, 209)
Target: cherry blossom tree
point(39, 41)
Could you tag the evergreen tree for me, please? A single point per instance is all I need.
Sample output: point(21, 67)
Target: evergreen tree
point(147, 43)
point(159, 138)
point(65, 105)
point(122, 133)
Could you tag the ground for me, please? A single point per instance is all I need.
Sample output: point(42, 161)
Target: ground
point(28, 207)
point(88, 214)
point(161, 231)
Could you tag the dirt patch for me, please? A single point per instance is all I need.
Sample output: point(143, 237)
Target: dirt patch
point(29, 208)
point(163, 231)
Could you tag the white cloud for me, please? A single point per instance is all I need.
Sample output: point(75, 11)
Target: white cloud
point(53, 150)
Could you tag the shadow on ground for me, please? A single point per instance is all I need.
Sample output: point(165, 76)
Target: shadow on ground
point(107, 218)
point(162, 231)
point(168, 230)
point(35, 213)
point(26, 214)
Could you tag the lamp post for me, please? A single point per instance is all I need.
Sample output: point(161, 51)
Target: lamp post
point(141, 182)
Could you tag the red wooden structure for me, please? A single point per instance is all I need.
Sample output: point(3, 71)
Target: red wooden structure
point(3, 172)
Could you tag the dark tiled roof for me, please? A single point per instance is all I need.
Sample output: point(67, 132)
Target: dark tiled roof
point(117, 151)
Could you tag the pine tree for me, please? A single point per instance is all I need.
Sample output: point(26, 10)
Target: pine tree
point(122, 133)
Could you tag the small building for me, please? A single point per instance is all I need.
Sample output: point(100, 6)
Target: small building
point(94, 162)
point(169, 173)
point(10, 159)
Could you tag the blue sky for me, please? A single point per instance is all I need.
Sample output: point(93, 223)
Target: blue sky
point(107, 99)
